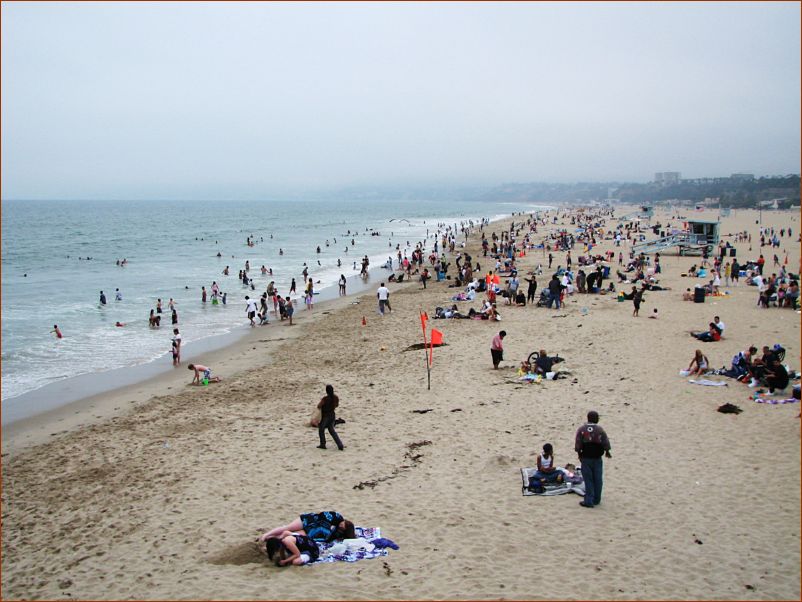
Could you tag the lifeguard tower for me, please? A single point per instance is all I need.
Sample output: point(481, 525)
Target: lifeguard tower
point(694, 238)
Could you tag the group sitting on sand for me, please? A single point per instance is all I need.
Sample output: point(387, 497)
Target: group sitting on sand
point(764, 371)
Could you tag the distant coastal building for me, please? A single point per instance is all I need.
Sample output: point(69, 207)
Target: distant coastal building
point(745, 177)
point(667, 177)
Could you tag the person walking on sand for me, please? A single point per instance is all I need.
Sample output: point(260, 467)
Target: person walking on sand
point(497, 348)
point(327, 405)
point(637, 298)
point(383, 294)
point(591, 444)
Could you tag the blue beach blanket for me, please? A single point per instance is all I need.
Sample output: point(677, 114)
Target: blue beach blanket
point(573, 484)
point(371, 534)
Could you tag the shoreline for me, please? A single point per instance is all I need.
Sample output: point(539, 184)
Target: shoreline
point(107, 394)
point(154, 379)
point(89, 385)
point(50, 397)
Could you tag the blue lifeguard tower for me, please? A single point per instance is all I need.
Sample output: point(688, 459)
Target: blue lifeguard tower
point(695, 237)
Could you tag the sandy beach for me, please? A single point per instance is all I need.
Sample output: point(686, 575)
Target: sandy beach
point(158, 490)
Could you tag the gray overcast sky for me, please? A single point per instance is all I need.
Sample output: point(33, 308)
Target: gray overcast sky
point(228, 100)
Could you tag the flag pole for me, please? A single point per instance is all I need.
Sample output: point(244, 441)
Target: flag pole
point(426, 352)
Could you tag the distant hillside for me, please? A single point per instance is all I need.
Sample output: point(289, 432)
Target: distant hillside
point(732, 192)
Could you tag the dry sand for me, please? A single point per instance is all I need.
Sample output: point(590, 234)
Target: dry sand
point(158, 491)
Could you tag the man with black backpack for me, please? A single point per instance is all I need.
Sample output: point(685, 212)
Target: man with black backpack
point(591, 443)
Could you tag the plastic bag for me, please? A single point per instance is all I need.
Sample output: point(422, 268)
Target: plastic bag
point(314, 419)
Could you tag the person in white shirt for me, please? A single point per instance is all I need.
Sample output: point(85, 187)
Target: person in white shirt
point(176, 347)
point(251, 309)
point(384, 298)
point(717, 321)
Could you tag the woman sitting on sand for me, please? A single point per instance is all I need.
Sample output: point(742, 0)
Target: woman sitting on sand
point(320, 526)
point(292, 548)
point(700, 362)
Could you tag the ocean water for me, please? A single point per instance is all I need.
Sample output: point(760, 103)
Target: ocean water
point(171, 248)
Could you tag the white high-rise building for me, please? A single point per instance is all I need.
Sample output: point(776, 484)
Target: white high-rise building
point(667, 177)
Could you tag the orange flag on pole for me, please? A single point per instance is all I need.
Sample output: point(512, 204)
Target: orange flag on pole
point(437, 339)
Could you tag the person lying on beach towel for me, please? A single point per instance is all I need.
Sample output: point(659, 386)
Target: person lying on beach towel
point(320, 526)
point(292, 549)
point(441, 314)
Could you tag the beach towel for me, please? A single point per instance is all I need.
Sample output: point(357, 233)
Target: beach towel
point(573, 484)
point(351, 550)
point(775, 401)
point(708, 383)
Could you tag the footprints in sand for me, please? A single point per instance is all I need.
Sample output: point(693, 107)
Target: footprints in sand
point(410, 455)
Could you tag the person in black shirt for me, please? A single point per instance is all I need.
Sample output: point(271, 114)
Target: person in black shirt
point(531, 289)
point(543, 363)
point(776, 376)
point(327, 406)
point(555, 288)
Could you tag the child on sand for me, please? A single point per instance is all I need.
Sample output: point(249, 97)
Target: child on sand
point(546, 470)
point(207, 374)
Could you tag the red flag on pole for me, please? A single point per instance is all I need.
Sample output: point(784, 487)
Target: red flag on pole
point(437, 339)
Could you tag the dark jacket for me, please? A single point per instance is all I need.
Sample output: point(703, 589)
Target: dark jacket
point(591, 441)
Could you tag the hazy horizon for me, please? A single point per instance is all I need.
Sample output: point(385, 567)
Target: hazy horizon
point(264, 100)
